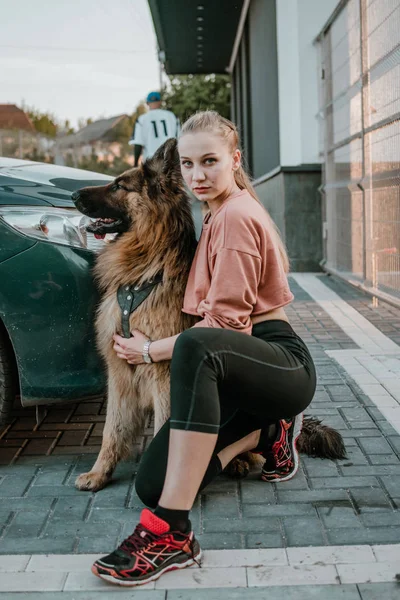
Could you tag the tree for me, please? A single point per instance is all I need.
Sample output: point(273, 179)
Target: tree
point(43, 122)
point(190, 93)
point(67, 128)
point(82, 122)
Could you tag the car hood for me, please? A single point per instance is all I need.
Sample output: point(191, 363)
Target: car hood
point(31, 183)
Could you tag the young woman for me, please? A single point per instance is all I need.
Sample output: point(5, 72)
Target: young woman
point(240, 378)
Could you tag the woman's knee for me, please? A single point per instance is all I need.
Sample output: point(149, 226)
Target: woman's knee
point(189, 341)
point(195, 343)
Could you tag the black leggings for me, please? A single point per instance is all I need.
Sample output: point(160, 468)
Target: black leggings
point(229, 383)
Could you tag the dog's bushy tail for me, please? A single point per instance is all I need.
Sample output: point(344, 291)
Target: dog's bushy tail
point(320, 440)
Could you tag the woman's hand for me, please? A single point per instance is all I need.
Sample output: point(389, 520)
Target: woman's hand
point(130, 349)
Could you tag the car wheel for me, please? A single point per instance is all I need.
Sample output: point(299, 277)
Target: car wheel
point(8, 377)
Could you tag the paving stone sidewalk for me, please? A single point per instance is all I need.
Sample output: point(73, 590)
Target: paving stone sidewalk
point(371, 591)
point(354, 501)
point(332, 573)
point(384, 317)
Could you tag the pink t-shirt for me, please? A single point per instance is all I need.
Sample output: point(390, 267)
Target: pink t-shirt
point(237, 271)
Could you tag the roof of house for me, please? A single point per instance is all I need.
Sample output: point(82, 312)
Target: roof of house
point(12, 117)
point(90, 133)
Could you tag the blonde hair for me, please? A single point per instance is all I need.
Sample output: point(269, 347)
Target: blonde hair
point(211, 121)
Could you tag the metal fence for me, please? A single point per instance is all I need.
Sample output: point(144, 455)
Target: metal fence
point(16, 143)
point(360, 143)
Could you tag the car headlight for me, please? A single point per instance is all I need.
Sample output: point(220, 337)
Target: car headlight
point(56, 225)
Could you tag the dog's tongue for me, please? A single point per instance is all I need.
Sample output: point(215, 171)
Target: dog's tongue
point(99, 236)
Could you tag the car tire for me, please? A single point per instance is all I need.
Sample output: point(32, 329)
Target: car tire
point(8, 377)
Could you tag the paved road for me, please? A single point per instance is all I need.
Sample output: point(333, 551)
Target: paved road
point(329, 503)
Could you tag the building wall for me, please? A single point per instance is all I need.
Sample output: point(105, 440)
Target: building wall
point(276, 83)
point(298, 23)
point(288, 82)
point(311, 18)
point(271, 192)
point(303, 221)
point(360, 106)
point(293, 200)
point(275, 106)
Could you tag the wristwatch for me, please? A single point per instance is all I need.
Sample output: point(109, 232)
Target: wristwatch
point(145, 352)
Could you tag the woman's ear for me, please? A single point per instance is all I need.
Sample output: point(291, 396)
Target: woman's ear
point(236, 159)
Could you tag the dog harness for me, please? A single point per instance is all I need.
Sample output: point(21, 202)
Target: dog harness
point(131, 296)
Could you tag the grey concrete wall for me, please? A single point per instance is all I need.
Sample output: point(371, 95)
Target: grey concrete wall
point(303, 220)
point(294, 202)
point(272, 195)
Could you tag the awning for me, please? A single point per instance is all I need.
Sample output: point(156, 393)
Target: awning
point(196, 36)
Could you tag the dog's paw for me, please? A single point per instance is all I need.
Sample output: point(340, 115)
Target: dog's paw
point(237, 468)
point(91, 482)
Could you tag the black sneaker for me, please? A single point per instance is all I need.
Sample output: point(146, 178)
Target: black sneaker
point(150, 551)
point(282, 460)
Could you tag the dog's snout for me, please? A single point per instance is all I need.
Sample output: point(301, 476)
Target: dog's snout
point(77, 200)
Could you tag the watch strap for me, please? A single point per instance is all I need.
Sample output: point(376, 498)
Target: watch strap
point(145, 352)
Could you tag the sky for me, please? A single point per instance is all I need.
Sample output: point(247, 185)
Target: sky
point(77, 58)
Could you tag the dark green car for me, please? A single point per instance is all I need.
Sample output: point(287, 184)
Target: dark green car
point(47, 297)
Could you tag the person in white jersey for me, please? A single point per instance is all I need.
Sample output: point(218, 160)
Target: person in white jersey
point(153, 128)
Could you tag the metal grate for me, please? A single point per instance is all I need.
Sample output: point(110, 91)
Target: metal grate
point(360, 143)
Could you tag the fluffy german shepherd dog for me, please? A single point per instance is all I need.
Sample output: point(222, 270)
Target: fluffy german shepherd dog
point(148, 263)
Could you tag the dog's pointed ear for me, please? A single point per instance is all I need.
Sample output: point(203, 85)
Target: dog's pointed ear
point(163, 169)
point(165, 160)
point(171, 156)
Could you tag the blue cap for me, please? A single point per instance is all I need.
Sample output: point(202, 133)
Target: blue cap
point(153, 97)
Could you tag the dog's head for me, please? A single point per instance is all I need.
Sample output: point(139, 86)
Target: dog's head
point(146, 191)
